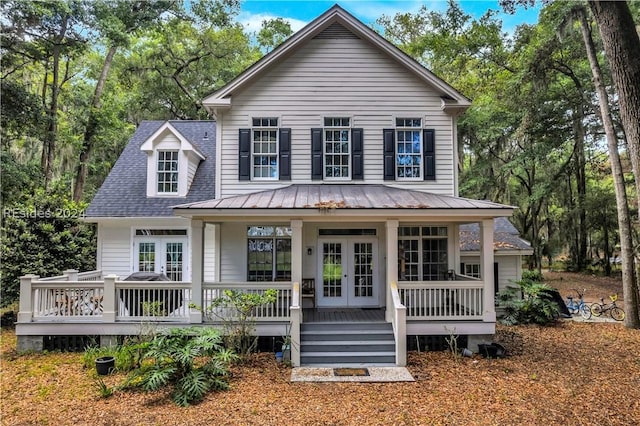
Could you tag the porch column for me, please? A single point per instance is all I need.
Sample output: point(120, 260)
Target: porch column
point(197, 254)
point(486, 261)
point(391, 226)
point(25, 312)
point(296, 278)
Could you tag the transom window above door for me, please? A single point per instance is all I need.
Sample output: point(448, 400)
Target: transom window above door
point(337, 148)
point(264, 148)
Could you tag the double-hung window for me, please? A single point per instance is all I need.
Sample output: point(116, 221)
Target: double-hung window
point(422, 253)
point(409, 149)
point(167, 172)
point(268, 253)
point(472, 270)
point(337, 148)
point(264, 148)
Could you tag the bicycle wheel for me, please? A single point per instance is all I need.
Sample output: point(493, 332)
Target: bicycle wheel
point(585, 311)
point(596, 309)
point(617, 313)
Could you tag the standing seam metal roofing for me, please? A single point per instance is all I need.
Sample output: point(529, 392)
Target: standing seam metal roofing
point(339, 196)
point(124, 191)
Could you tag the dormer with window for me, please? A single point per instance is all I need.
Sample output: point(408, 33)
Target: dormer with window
point(172, 162)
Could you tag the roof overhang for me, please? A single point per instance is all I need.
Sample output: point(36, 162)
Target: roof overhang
point(221, 99)
point(148, 145)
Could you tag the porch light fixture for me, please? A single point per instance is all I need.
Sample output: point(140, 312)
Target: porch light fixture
point(309, 251)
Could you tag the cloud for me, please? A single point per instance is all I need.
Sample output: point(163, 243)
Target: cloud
point(252, 22)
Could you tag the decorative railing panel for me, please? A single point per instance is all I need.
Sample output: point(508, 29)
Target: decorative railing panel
point(446, 300)
point(58, 300)
point(277, 311)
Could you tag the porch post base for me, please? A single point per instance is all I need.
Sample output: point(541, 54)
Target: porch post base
point(107, 341)
point(30, 344)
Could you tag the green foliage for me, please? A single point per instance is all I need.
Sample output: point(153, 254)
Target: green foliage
point(235, 309)
point(273, 32)
point(192, 361)
point(103, 389)
point(529, 303)
point(43, 235)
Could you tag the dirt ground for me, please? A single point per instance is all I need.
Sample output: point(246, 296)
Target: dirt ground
point(572, 373)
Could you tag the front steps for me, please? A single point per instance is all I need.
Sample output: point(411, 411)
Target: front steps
point(347, 344)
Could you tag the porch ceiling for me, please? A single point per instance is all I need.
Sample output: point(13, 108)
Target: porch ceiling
point(318, 197)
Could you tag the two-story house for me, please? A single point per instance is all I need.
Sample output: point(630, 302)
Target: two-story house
point(330, 174)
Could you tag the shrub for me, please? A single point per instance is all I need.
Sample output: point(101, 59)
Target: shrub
point(236, 310)
point(191, 360)
point(528, 303)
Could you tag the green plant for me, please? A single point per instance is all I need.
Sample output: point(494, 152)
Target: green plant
point(153, 309)
point(236, 310)
point(528, 303)
point(191, 360)
point(104, 390)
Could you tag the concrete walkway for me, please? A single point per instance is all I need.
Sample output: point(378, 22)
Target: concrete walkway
point(374, 374)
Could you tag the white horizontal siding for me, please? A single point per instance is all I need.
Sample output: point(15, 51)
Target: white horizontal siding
point(233, 256)
point(509, 269)
point(115, 246)
point(343, 77)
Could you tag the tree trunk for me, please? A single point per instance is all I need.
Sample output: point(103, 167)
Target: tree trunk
point(622, 48)
point(624, 220)
point(91, 128)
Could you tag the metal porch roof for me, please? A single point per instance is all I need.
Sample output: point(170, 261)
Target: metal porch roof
point(347, 196)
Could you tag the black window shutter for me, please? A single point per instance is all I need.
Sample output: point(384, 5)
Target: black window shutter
point(285, 154)
point(244, 156)
point(357, 157)
point(429, 154)
point(389, 154)
point(316, 154)
point(462, 269)
point(496, 279)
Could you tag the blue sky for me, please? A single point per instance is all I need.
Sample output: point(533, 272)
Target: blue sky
point(299, 13)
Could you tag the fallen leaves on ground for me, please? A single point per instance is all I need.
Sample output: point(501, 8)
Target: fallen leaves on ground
point(572, 373)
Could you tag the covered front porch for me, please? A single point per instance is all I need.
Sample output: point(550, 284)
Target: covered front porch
point(326, 249)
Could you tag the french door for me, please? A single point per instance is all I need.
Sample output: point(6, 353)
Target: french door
point(347, 272)
point(162, 255)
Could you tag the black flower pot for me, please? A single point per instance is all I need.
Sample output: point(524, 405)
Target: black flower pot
point(105, 365)
point(493, 350)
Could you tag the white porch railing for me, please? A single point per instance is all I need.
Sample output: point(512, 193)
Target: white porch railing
point(442, 300)
point(152, 300)
point(277, 311)
point(399, 323)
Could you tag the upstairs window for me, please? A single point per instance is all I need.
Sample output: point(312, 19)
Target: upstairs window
point(264, 151)
point(408, 149)
point(264, 148)
point(337, 148)
point(167, 172)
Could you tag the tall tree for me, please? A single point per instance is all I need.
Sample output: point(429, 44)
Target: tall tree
point(622, 48)
point(629, 283)
point(116, 21)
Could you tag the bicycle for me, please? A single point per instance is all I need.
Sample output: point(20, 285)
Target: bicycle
point(580, 306)
point(616, 312)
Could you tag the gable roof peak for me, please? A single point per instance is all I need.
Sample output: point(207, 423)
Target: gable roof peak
point(222, 98)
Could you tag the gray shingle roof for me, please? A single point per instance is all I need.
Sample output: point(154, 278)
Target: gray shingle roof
point(350, 196)
point(124, 192)
point(505, 236)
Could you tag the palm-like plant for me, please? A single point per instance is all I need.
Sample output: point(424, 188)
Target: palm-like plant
point(532, 305)
point(192, 360)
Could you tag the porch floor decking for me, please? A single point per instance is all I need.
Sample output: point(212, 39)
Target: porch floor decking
point(343, 315)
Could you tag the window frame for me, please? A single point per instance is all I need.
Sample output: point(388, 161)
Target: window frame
point(161, 174)
point(404, 128)
point(412, 232)
point(326, 127)
point(475, 270)
point(265, 124)
point(273, 234)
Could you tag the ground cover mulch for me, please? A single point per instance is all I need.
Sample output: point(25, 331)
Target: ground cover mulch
point(572, 373)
